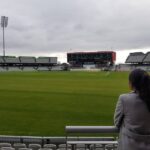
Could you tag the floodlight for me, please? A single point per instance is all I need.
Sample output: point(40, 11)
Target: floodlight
point(4, 23)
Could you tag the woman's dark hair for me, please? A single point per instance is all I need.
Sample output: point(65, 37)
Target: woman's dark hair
point(140, 81)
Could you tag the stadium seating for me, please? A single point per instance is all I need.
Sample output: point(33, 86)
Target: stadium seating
point(53, 143)
point(56, 68)
point(43, 68)
point(22, 146)
point(53, 60)
point(11, 68)
point(51, 146)
point(17, 146)
point(7, 148)
point(5, 145)
point(43, 60)
point(34, 146)
point(64, 146)
point(1, 59)
point(25, 63)
point(25, 148)
point(147, 58)
point(123, 67)
point(45, 149)
point(2, 69)
point(46, 60)
point(28, 68)
point(11, 60)
point(27, 60)
point(137, 57)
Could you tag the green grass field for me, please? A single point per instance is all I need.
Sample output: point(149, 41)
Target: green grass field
point(43, 103)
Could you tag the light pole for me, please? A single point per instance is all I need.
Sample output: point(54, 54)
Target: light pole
point(4, 23)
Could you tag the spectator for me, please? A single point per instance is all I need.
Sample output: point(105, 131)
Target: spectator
point(132, 114)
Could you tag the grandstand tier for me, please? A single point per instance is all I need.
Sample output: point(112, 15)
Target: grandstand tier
point(11, 59)
point(1, 59)
point(147, 58)
point(100, 58)
point(137, 57)
point(43, 60)
point(53, 60)
point(25, 61)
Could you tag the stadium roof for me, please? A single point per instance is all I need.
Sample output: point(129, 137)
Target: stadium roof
point(147, 58)
point(138, 57)
point(135, 57)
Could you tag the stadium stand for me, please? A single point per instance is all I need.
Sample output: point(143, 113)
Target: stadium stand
point(45, 149)
point(11, 60)
point(64, 146)
point(5, 145)
point(136, 60)
point(1, 60)
point(43, 60)
point(34, 146)
point(25, 148)
point(147, 58)
point(53, 60)
point(12, 68)
point(1, 69)
point(7, 148)
point(123, 67)
point(46, 60)
point(43, 68)
point(56, 68)
point(61, 143)
point(97, 59)
point(46, 63)
point(17, 146)
point(25, 63)
point(137, 57)
point(27, 60)
point(28, 68)
point(12, 63)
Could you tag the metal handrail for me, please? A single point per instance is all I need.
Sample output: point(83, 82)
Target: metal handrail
point(91, 129)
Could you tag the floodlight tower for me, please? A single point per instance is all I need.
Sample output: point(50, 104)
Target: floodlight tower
point(4, 23)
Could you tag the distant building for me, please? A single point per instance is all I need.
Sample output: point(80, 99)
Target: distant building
point(98, 59)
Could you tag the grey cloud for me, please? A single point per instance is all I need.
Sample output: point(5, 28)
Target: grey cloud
point(57, 25)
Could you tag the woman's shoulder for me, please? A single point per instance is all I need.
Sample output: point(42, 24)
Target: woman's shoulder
point(128, 95)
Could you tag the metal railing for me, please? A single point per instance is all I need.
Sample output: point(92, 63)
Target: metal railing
point(91, 129)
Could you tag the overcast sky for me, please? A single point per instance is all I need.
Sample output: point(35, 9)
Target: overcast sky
point(54, 27)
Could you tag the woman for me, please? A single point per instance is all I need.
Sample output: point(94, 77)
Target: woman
point(132, 114)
